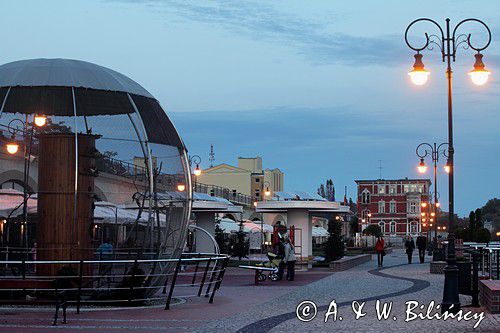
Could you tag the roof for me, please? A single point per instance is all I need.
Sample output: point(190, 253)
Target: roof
point(225, 165)
point(394, 180)
point(66, 87)
point(67, 73)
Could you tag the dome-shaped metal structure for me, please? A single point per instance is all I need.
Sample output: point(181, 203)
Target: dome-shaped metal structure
point(105, 141)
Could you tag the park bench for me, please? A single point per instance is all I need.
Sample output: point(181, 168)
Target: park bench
point(259, 272)
point(39, 285)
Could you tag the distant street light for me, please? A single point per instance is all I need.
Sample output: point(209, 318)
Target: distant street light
point(448, 43)
point(267, 192)
point(181, 187)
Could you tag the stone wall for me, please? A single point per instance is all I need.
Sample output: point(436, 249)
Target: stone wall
point(489, 295)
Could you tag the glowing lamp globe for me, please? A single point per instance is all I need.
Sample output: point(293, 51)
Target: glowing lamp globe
point(181, 187)
point(40, 120)
point(419, 75)
point(197, 171)
point(479, 75)
point(267, 192)
point(447, 167)
point(12, 148)
point(424, 204)
point(422, 168)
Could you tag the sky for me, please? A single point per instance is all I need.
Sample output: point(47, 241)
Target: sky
point(319, 89)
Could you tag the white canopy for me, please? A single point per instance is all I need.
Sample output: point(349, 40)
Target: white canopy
point(228, 225)
point(11, 203)
point(256, 226)
point(319, 232)
point(108, 212)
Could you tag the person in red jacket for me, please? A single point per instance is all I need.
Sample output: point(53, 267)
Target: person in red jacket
point(379, 249)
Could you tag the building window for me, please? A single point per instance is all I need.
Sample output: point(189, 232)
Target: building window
point(382, 226)
point(365, 197)
point(393, 227)
point(392, 207)
point(381, 206)
point(257, 193)
point(413, 227)
point(393, 189)
point(412, 208)
point(257, 180)
point(381, 189)
point(364, 214)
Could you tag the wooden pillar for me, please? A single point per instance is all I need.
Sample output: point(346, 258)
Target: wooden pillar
point(62, 234)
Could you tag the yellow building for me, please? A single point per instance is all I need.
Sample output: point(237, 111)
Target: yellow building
point(248, 177)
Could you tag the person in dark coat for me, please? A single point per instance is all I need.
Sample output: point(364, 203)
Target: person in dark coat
point(289, 260)
point(421, 245)
point(410, 246)
point(281, 255)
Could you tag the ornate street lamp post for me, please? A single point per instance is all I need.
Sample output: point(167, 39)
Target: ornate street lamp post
point(195, 159)
point(448, 43)
point(434, 151)
point(16, 126)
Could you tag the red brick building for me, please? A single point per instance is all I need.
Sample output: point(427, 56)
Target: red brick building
point(392, 204)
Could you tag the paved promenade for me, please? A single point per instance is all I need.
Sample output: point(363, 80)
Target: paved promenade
point(270, 307)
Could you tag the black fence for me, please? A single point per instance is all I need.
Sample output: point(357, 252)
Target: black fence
point(123, 282)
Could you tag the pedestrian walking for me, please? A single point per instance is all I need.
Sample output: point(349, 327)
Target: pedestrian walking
point(422, 246)
point(380, 250)
point(410, 246)
point(289, 260)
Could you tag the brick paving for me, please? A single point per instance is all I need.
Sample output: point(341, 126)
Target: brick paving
point(270, 307)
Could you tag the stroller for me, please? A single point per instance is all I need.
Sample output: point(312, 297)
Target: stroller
point(273, 263)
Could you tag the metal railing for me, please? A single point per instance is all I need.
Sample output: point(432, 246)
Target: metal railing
point(223, 192)
point(130, 170)
point(111, 281)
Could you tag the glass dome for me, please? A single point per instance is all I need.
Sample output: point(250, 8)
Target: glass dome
point(91, 168)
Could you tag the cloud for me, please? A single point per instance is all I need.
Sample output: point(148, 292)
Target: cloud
point(261, 21)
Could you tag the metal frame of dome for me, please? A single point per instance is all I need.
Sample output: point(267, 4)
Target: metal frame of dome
point(73, 88)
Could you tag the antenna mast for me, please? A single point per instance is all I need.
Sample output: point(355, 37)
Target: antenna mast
point(211, 156)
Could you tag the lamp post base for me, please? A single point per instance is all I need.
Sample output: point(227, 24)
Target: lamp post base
point(451, 300)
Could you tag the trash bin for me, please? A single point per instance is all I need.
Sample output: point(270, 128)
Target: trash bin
point(464, 277)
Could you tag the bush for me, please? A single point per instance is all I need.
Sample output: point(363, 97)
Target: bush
point(334, 247)
point(483, 235)
point(373, 230)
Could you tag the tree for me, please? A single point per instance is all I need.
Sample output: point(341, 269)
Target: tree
point(327, 191)
point(321, 191)
point(334, 247)
point(221, 239)
point(354, 225)
point(352, 206)
point(479, 219)
point(373, 230)
point(471, 229)
point(330, 190)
